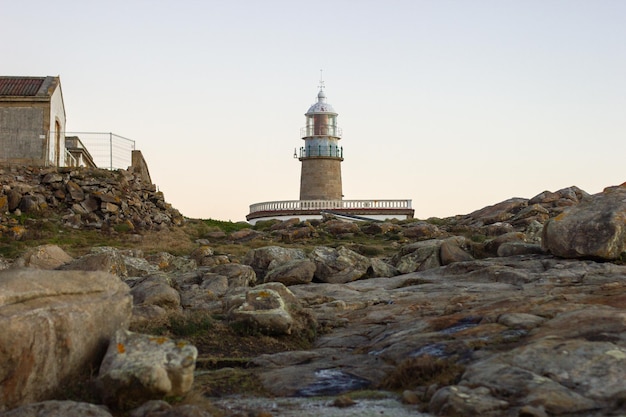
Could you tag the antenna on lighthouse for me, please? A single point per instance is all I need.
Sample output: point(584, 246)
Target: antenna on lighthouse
point(321, 79)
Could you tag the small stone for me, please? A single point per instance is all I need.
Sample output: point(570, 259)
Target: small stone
point(410, 397)
point(343, 402)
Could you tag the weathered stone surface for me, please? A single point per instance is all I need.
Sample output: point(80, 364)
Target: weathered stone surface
point(499, 212)
point(340, 227)
point(111, 261)
point(338, 266)
point(75, 191)
point(518, 248)
point(457, 401)
point(238, 275)
point(156, 408)
point(138, 368)
point(422, 231)
point(265, 309)
point(155, 290)
point(58, 409)
point(418, 256)
point(380, 268)
point(84, 191)
point(594, 228)
point(454, 250)
point(266, 258)
point(60, 323)
point(298, 271)
point(44, 257)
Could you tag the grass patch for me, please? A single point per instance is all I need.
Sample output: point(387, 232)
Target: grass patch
point(189, 324)
point(226, 226)
point(229, 381)
point(423, 371)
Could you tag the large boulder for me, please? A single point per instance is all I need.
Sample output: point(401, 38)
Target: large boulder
point(418, 256)
point(595, 228)
point(339, 266)
point(139, 367)
point(265, 308)
point(269, 257)
point(58, 409)
point(55, 324)
point(155, 290)
point(44, 257)
point(298, 271)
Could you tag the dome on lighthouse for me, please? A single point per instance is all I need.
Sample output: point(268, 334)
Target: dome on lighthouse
point(321, 106)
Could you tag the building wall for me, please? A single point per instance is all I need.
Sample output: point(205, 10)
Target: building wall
point(320, 179)
point(57, 114)
point(29, 134)
point(22, 133)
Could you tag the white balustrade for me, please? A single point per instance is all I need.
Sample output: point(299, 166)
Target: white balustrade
point(301, 205)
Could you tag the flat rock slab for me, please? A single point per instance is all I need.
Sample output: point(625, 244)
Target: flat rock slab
point(55, 324)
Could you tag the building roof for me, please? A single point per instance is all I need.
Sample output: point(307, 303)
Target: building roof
point(321, 106)
point(27, 86)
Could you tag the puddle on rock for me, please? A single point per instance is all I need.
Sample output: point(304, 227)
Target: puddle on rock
point(332, 382)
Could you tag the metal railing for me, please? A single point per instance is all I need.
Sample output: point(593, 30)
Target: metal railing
point(108, 150)
point(319, 151)
point(296, 205)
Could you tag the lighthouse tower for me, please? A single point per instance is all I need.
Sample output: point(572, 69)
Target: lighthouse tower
point(321, 155)
point(321, 191)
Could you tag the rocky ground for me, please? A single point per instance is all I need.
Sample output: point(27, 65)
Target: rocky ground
point(517, 309)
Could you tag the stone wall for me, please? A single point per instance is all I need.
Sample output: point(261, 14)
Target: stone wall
point(83, 198)
point(320, 179)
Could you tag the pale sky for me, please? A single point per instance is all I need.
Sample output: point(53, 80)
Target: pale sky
point(455, 105)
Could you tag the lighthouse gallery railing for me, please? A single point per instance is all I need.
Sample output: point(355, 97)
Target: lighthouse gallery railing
point(308, 205)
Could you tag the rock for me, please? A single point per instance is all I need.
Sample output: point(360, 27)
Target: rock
point(88, 197)
point(298, 271)
point(266, 258)
point(379, 228)
point(421, 231)
point(595, 228)
point(451, 250)
point(44, 257)
point(60, 323)
point(148, 314)
point(456, 401)
point(75, 191)
point(111, 261)
point(338, 266)
point(264, 310)
point(491, 246)
point(163, 409)
point(564, 197)
point(380, 268)
point(155, 290)
point(58, 409)
point(244, 235)
point(340, 227)
point(31, 204)
point(534, 212)
point(520, 320)
point(518, 248)
point(238, 275)
point(138, 368)
point(202, 253)
point(418, 256)
point(500, 212)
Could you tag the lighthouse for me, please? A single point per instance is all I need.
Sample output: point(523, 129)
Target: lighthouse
point(321, 192)
point(321, 155)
